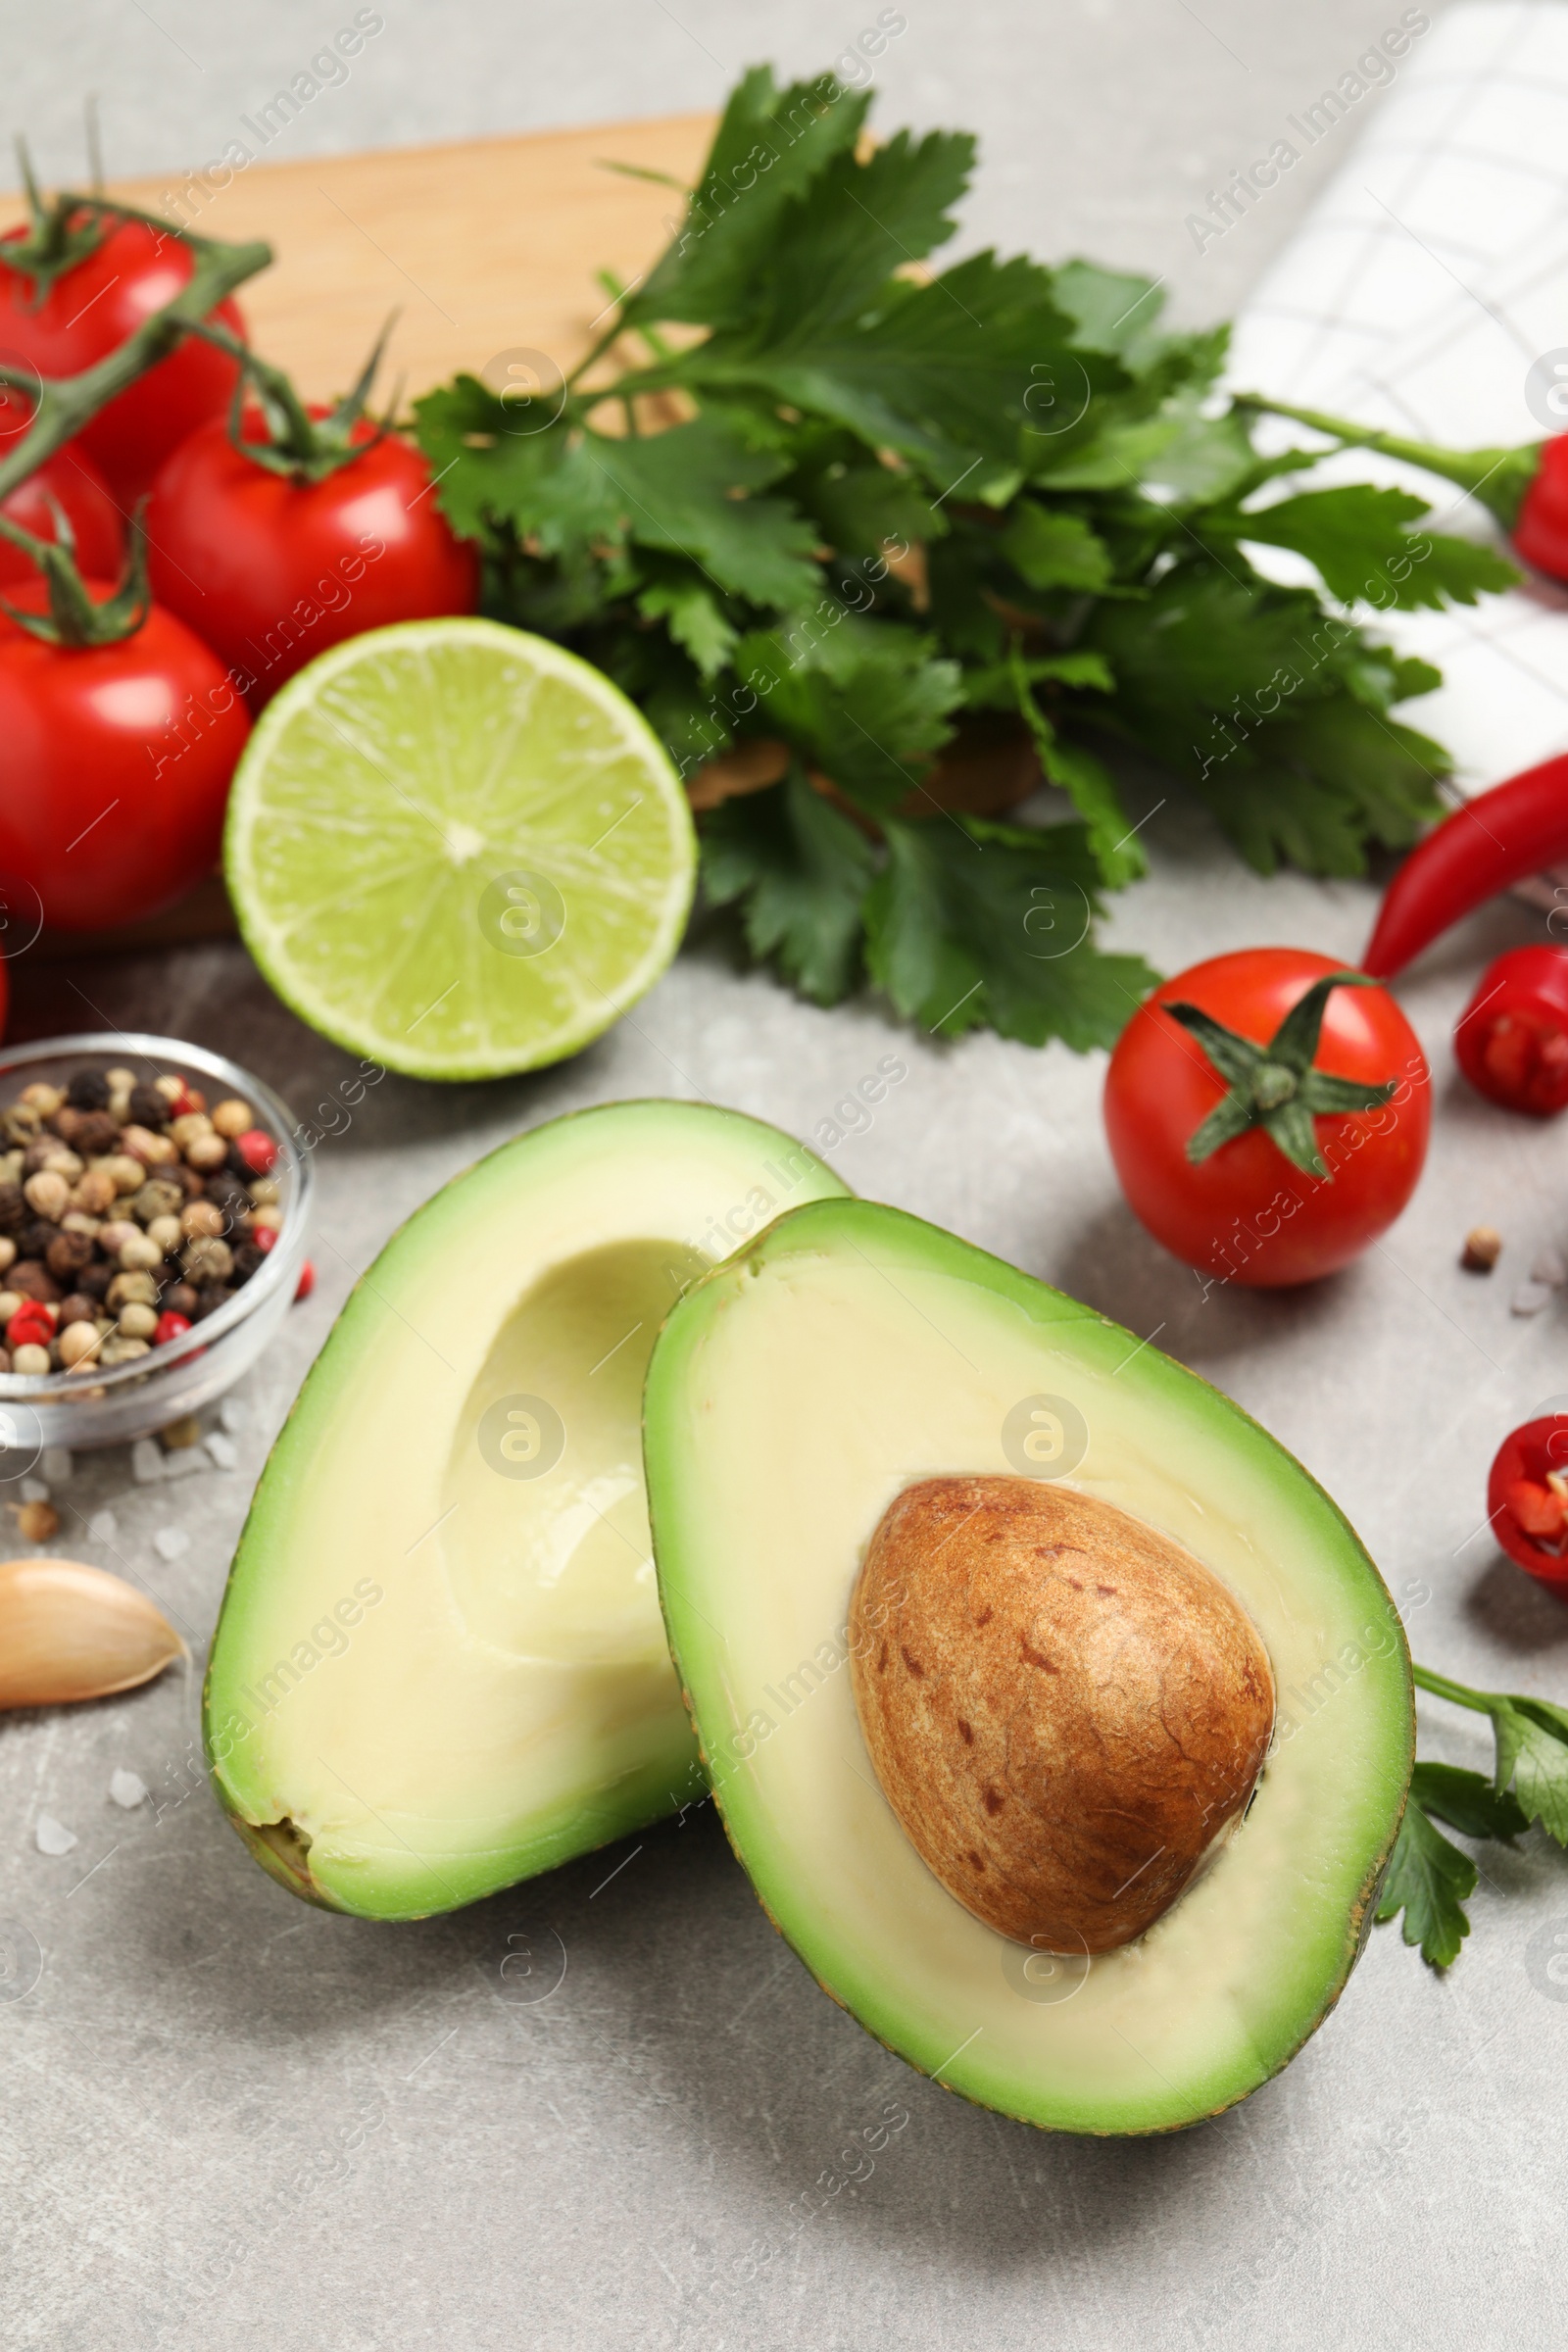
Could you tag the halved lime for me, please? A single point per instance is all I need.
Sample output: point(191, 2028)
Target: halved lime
point(457, 850)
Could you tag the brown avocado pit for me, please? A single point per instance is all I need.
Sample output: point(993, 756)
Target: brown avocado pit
point(1065, 1709)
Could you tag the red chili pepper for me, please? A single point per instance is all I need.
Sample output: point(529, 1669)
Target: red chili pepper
point(1527, 1499)
point(258, 1151)
point(1513, 1040)
point(1541, 533)
point(1485, 847)
point(306, 1282)
point(170, 1327)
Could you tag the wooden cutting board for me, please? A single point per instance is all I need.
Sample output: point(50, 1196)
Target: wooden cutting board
point(488, 251)
point(483, 248)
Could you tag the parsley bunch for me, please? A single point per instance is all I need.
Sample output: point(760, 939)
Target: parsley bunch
point(851, 529)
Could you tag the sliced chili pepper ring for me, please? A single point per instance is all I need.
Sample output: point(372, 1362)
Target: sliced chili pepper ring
point(1527, 1499)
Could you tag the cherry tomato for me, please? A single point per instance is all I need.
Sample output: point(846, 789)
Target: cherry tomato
point(74, 483)
point(271, 571)
point(1527, 1499)
point(87, 313)
point(117, 762)
point(1511, 1041)
point(1247, 1213)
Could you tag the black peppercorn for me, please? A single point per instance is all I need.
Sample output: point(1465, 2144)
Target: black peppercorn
point(209, 1298)
point(79, 1308)
point(33, 1238)
point(181, 1300)
point(32, 1280)
point(88, 1090)
point(14, 1209)
point(248, 1261)
point(148, 1107)
point(68, 1254)
point(93, 1281)
point(95, 1134)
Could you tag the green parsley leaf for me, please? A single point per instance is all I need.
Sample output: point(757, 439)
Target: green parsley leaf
point(695, 620)
point(866, 701)
point(684, 490)
point(1467, 1801)
point(1086, 780)
point(1052, 547)
point(1272, 714)
point(972, 923)
point(1430, 1880)
point(770, 145)
point(1359, 539)
point(942, 373)
point(1532, 1754)
point(800, 870)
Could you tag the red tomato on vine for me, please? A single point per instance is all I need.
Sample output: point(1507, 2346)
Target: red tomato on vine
point(116, 758)
point(69, 481)
point(271, 563)
point(86, 311)
point(1267, 1113)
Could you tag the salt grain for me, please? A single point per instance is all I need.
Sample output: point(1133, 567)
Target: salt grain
point(128, 1789)
point(53, 1837)
point(1530, 1297)
point(170, 1542)
point(103, 1527)
point(57, 1464)
point(1548, 1268)
point(146, 1462)
point(234, 1413)
point(223, 1451)
point(33, 1490)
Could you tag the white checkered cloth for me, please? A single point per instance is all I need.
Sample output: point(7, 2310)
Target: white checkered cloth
point(1428, 280)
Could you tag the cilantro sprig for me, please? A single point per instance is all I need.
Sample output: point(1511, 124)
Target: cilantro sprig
point(1429, 1878)
point(813, 489)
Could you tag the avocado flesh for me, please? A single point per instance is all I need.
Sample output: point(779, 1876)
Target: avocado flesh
point(437, 1671)
point(849, 1353)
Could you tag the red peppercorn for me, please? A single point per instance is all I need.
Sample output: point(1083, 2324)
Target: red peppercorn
point(258, 1151)
point(306, 1282)
point(263, 1238)
point(170, 1327)
point(31, 1325)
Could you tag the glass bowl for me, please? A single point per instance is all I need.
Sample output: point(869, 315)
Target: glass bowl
point(114, 1405)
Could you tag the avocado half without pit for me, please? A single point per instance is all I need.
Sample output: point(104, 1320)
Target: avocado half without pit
point(440, 1665)
point(1061, 1721)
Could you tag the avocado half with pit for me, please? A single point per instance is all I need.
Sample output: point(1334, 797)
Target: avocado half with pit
point(1061, 1721)
point(440, 1665)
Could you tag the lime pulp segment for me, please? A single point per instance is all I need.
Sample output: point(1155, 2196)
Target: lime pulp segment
point(457, 849)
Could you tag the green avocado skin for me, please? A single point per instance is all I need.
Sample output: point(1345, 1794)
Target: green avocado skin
point(624, 1132)
point(891, 1238)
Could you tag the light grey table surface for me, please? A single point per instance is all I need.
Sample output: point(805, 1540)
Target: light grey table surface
point(228, 2119)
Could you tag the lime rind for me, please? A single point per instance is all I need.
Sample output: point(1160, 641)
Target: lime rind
point(407, 774)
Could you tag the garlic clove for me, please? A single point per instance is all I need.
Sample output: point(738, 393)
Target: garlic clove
point(71, 1632)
